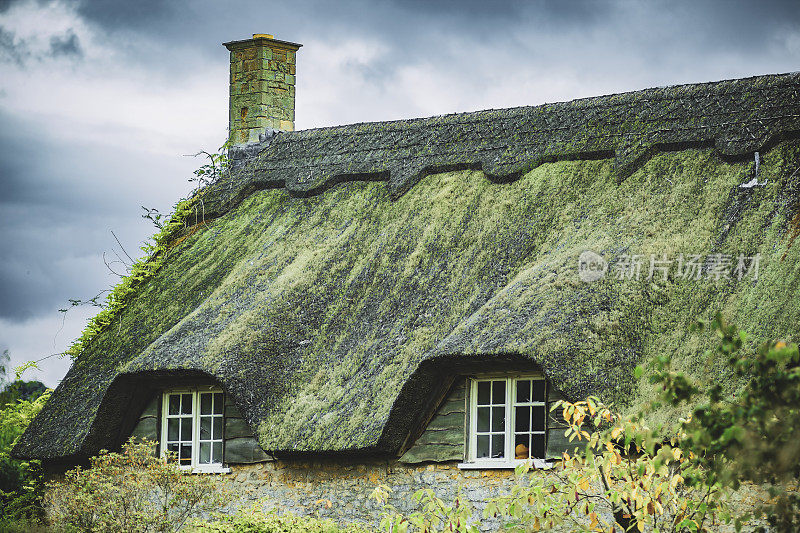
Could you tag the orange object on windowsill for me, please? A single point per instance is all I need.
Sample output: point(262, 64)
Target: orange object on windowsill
point(521, 452)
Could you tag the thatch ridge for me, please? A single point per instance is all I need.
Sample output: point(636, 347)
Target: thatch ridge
point(738, 117)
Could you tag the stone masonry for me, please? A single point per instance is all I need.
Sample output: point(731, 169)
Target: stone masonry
point(340, 488)
point(262, 85)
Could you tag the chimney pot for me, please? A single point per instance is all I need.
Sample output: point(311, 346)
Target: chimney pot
point(261, 87)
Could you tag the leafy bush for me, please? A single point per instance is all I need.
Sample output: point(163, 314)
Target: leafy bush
point(436, 514)
point(255, 521)
point(20, 481)
point(132, 491)
point(753, 437)
point(627, 476)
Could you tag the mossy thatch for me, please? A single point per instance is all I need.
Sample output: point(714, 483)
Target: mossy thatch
point(330, 318)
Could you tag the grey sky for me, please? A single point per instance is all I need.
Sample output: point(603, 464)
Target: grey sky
point(101, 100)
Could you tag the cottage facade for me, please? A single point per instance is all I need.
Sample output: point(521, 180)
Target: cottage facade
point(402, 302)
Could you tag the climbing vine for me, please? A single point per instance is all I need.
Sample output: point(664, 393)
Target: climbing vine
point(188, 213)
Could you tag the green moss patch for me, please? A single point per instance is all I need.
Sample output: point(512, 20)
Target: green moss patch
point(315, 313)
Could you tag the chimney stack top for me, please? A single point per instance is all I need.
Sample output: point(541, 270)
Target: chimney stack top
point(261, 87)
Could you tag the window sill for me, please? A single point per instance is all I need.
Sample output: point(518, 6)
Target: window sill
point(207, 470)
point(538, 464)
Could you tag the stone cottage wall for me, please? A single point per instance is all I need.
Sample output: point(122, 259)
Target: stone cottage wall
point(340, 489)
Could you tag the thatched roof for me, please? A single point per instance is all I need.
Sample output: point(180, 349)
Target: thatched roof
point(331, 313)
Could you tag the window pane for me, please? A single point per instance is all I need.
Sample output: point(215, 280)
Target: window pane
point(174, 404)
point(217, 457)
point(186, 404)
point(483, 392)
point(205, 453)
point(522, 446)
point(538, 418)
point(483, 419)
point(186, 429)
point(173, 448)
point(205, 403)
point(498, 392)
point(537, 446)
point(186, 454)
point(498, 445)
point(205, 428)
point(219, 403)
point(523, 391)
point(498, 418)
point(522, 419)
point(172, 429)
point(483, 446)
point(217, 428)
point(538, 391)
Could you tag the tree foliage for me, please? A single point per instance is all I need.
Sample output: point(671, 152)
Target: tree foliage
point(754, 436)
point(20, 481)
point(626, 477)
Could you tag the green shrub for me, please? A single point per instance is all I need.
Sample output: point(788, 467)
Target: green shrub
point(752, 437)
point(253, 520)
point(132, 491)
point(436, 514)
point(20, 481)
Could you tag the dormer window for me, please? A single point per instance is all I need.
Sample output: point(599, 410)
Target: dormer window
point(507, 421)
point(192, 427)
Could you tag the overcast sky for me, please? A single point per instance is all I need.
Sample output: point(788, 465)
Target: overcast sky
point(100, 101)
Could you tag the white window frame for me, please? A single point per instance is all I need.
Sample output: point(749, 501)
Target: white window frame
point(194, 467)
point(508, 460)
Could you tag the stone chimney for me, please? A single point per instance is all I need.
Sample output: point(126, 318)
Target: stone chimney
point(262, 87)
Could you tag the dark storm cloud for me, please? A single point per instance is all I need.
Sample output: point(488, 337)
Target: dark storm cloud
point(60, 201)
point(582, 34)
point(12, 50)
point(126, 15)
point(67, 45)
point(40, 173)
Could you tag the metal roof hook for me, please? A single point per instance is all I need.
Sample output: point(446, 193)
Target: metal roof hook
point(758, 162)
point(754, 182)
